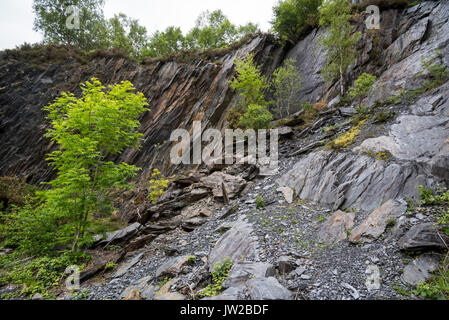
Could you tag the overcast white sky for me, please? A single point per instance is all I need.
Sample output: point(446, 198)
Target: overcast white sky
point(16, 16)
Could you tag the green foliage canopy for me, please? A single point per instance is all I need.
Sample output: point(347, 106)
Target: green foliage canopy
point(362, 86)
point(293, 17)
point(51, 17)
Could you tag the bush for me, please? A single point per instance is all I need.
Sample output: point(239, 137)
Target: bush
point(293, 17)
point(256, 117)
point(346, 139)
point(219, 275)
point(158, 185)
point(438, 72)
point(38, 275)
point(251, 112)
point(429, 198)
point(362, 86)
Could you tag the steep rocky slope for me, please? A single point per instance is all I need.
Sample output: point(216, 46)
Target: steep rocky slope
point(346, 231)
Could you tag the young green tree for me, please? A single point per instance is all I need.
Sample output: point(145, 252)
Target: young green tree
point(250, 85)
point(362, 86)
point(88, 131)
point(340, 41)
point(51, 17)
point(292, 17)
point(286, 83)
point(249, 82)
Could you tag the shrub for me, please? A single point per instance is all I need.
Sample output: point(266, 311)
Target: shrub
point(362, 86)
point(219, 274)
point(429, 198)
point(438, 72)
point(260, 203)
point(158, 185)
point(251, 111)
point(256, 117)
point(293, 17)
point(39, 275)
point(14, 190)
point(347, 138)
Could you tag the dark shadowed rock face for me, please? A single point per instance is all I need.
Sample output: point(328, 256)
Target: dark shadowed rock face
point(177, 93)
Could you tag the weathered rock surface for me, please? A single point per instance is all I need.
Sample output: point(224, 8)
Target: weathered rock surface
point(121, 235)
point(353, 181)
point(420, 269)
point(125, 268)
point(287, 192)
point(241, 272)
point(234, 185)
point(172, 267)
point(267, 289)
point(424, 236)
point(237, 244)
point(336, 227)
point(144, 289)
point(374, 226)
point(285, 265)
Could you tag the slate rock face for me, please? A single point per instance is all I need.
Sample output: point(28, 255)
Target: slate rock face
point(424, 236)
point(309, 58)
point(347, 180)
point(177, 93)
point(417, 142)
point(237, 244)
point(374, 226)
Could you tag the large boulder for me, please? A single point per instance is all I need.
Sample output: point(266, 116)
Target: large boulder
point(243, 271)
point(336, 227)
point(424, 236)
point(267, 289)
point(233, 184)
point(353, 181)
point(420, 269)
point(237, 244)
point(374, 226)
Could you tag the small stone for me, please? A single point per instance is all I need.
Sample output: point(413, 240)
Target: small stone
point(354, 293)
point(37, 296)
point(300, 270)
point(306, 277)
